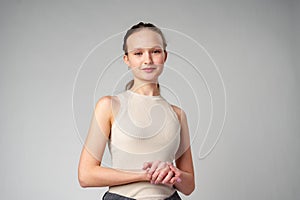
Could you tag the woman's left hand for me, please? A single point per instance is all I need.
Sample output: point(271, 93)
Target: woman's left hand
point(162, 172)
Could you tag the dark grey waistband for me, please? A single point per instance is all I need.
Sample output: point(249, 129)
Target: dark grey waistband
point(113, 196)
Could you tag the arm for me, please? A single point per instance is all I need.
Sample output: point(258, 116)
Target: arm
point(184, 161)
point(92, 174)
point(181, 176)
point(90, 171)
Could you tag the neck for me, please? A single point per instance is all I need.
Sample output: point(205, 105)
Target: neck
point(149, 89)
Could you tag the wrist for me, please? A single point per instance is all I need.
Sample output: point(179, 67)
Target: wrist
point(144, 176)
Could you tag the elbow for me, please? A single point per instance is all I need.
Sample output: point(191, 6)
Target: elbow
point(82, 182)
point(82, 179)
point(189, 190)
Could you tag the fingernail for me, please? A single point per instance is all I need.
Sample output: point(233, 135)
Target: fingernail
point(179, 180)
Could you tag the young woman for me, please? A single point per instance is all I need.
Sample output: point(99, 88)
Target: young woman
point(148, 138)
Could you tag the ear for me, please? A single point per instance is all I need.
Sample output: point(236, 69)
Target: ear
point(166, 55)
point(126, 60)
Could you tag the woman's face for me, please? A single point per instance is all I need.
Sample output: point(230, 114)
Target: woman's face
point(146, 56)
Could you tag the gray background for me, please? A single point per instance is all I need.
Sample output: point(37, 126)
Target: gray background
point(255, 43)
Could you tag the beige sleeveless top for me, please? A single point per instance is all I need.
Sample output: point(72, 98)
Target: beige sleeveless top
point(146, 128)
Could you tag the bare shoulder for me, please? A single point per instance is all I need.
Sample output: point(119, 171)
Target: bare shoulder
point(104, 105)
point(104, 102)
point(107, 106)
point(179, 111)
point(107, 101)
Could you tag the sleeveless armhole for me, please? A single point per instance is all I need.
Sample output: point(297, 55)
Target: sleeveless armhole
point(178, 119)
point(116, 107)
point(175, 115)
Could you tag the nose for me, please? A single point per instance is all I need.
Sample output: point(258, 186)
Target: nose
point(148, 58)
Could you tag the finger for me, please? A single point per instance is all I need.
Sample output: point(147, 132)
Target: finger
point(154, 167)
point(162, 165)
point(175, 179)
point(147, 165)
point(169, 163)
point(163, 173)
point(154, 176)
point(159, 178)
point(173, 168)
point(162, 169)
point(176, 176)
point(178, 180)
point(168, 177)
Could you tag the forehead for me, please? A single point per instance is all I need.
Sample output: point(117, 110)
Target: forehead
point(145, 38)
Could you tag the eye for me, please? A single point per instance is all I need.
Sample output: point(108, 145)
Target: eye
point(157, 51)
point(138, 53)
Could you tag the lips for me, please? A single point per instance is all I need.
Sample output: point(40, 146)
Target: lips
point(148, 69)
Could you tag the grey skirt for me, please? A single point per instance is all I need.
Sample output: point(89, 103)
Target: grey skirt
point(112, 196)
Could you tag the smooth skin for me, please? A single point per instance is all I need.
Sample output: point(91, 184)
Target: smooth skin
point(144, 51)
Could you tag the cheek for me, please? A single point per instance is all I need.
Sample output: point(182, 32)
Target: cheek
point(159, 60)
point(135, 62)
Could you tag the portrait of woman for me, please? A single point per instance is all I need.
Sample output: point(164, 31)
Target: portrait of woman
point(148, 138)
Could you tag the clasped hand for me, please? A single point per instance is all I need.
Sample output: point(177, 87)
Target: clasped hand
point(160, 172)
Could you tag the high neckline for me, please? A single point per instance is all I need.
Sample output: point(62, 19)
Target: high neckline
point(144, 96)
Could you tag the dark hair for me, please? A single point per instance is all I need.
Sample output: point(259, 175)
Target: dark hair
point(137, 28)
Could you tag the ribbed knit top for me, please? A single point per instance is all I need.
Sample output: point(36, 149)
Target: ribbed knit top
point(146, 128)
